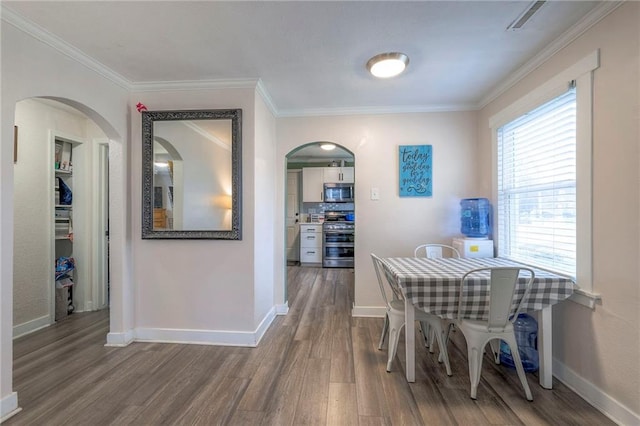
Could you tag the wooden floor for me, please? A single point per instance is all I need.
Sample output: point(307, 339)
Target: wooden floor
point(316, 365)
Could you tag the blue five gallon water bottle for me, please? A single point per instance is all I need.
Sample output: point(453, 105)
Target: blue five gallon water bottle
point(475, 217)
point(526, 330)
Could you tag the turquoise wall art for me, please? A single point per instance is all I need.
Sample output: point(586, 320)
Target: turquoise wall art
point(415, 170)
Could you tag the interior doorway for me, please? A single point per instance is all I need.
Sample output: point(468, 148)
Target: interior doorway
point(305, 207)
point(48, 230)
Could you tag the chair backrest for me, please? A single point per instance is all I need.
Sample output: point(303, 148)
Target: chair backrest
point(383, 274)
point(435, 251)
point(502, 285)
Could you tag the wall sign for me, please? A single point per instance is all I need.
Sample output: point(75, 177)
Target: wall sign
point(415, 170)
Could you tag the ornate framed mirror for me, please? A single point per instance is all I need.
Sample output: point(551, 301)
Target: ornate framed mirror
point(192, 174)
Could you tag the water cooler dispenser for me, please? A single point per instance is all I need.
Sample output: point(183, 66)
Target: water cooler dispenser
point(475, 225)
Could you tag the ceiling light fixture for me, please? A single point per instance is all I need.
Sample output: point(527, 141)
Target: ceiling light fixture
point(387, 65)
point(327, 146)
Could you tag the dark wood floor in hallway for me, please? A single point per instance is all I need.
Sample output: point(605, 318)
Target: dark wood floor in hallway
point(316, 365)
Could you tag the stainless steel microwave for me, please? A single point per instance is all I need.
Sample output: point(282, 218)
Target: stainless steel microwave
point(338, 193)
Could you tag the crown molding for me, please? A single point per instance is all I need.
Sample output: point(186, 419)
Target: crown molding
point(592, 18)
point(262, 91)
point(375, 110)
point(12, 18)
point(163, 86)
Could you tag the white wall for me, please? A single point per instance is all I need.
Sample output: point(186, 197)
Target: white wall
point(268, 292)
point(205, 289)
point(597, 351)
point(31, 68)
point(391, 226)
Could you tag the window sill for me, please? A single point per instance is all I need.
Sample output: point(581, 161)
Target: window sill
point(585, 298)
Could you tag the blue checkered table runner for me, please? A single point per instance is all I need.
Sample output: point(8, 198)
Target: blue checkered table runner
point(433, 285)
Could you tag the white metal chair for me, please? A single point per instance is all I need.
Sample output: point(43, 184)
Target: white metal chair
point(435, 251)
point(394, 316)
point(499, 325)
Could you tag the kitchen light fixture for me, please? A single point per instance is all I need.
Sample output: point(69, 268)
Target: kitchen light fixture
point(387, 65)
point(327, 146)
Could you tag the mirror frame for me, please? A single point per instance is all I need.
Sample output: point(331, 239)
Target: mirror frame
point(148, 118)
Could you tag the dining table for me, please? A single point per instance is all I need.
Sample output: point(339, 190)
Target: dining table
point(433, 285)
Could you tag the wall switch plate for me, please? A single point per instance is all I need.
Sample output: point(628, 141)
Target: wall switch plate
point(375, 193)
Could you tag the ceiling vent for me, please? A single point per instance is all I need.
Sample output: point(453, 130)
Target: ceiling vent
point(522, 19)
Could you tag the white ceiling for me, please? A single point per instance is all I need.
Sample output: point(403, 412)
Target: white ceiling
point(310, 56)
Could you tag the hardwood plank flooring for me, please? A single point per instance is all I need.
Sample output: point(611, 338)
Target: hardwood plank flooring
point(317, 365)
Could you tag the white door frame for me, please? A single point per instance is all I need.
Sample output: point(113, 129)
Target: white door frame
point(100, 225)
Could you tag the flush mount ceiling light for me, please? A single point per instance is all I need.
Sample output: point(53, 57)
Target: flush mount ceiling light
point(387, 65)
point(327, 146)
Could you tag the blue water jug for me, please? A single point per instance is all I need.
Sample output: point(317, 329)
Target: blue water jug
point(475, 217)
point(526, 330)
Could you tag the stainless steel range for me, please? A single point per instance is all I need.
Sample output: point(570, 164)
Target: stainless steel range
point(338, 237)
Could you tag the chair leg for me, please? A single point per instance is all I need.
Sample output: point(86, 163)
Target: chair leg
point(394, 335)
point(444, 355)
point(385, 329)
point(495, 349)
point(432, 340)
point(450, 326)
point(424, 327)
point(513, 345)
point(475, 350)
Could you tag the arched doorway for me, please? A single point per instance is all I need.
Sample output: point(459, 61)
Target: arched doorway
point(59, 147)
point(304, 202)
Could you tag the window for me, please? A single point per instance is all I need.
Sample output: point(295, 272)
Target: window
point(536, 209)
point(542, 179)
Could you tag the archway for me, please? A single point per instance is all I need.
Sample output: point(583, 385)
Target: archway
point(300, 208)
point(94, 140)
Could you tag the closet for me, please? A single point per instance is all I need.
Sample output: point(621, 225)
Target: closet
point(63, 225)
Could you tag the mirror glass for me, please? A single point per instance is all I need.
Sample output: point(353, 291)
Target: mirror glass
point(191, 174)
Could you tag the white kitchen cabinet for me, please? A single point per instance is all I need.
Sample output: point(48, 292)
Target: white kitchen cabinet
point(312, 184)
point(338, 174)
point(311, 243)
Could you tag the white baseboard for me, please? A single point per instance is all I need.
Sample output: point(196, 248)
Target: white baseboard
point(30, 326)
point(282, 309)
point(606, 404)
point(9, 406)
point(264, 324)
point(207, 337)
point(120, 339)
point(368, 311)
point(196, 337)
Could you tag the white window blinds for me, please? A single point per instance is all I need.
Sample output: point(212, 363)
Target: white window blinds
point(536, 210)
